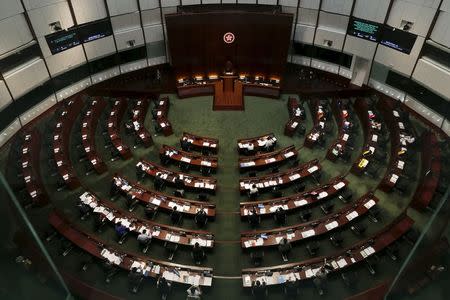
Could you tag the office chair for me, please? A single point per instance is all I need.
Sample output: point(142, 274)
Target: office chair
point(110, 270)
point(301, 130)
point(131, 203)
point(171, 248)
point(411, 236)
point(276, 193)
point(295, 163)
point(134, 281)
point(349, 278)
point(305, 215)
point(375, 214)
point(145, 245)
point(185, 167)
point(60, 183)
point(114, 154)
point(66, 247)
point(392, 251)
point(205, 152)
point(313, 248)
point(257, 257)
point(299, 188)
point(370, 265)
point(88, 168)
point(402, 185)
point(151, 211)
point(358, 228)
point(206, 171)
point(280, 217)
point(346, 195)
point(336, 239)
point(254, 220)
point(123, 237)
point(198, 256)
point(202, 197)
point(327, 208)
point(179, 193)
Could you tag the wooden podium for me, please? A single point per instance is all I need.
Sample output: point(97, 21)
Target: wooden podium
point(228, 93)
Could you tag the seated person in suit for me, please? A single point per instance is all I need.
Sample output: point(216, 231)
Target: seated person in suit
point(144, 238)
point(120, 230)
point(253, 191)
point(175, 216)
point(159, 182)
point(185, 145)
point(347, 126)
point(84, 209)
point(259, 290)
point(253, 217)
point(250, 148)
point(198, 254)
point(290, 288)
point(194, 292)
point(201, 218)
point(284, 247)
point(179, 183)
point(164, 287)
point(134, 279)
point(280, 216)
point(269, 145)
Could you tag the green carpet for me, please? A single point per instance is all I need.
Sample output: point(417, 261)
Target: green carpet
point(195, 115)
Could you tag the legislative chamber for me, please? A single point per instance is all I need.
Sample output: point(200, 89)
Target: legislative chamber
point(216, 150)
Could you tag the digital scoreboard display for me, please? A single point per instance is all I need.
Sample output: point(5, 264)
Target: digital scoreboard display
point(398, 39)
point(62, 40)
point(95, 30)
point(364, 29)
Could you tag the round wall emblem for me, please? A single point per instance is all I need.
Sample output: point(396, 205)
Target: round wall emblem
point(228, 37)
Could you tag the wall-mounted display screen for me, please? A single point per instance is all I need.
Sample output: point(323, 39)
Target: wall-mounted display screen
point(62, 40)
point(398, 39)
point(364, 29)
point(93, 31)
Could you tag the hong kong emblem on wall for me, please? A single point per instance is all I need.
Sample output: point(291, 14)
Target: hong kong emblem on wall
point(228, 37)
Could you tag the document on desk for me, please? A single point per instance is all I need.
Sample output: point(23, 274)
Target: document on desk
point(270, 160)
point(393, 178)
point(156, 202)
point(339, 185)
point(205, 163)
point(247, 164)
point(331, 225)
point(352, 215)
point(322, 195)
point(289, 154)
point(369, 203)
point(294, 177)
point(300, 202)
point(308, 233)
point(313, 169)
point(185, 159)
point(309, 273)
point(342, 263)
